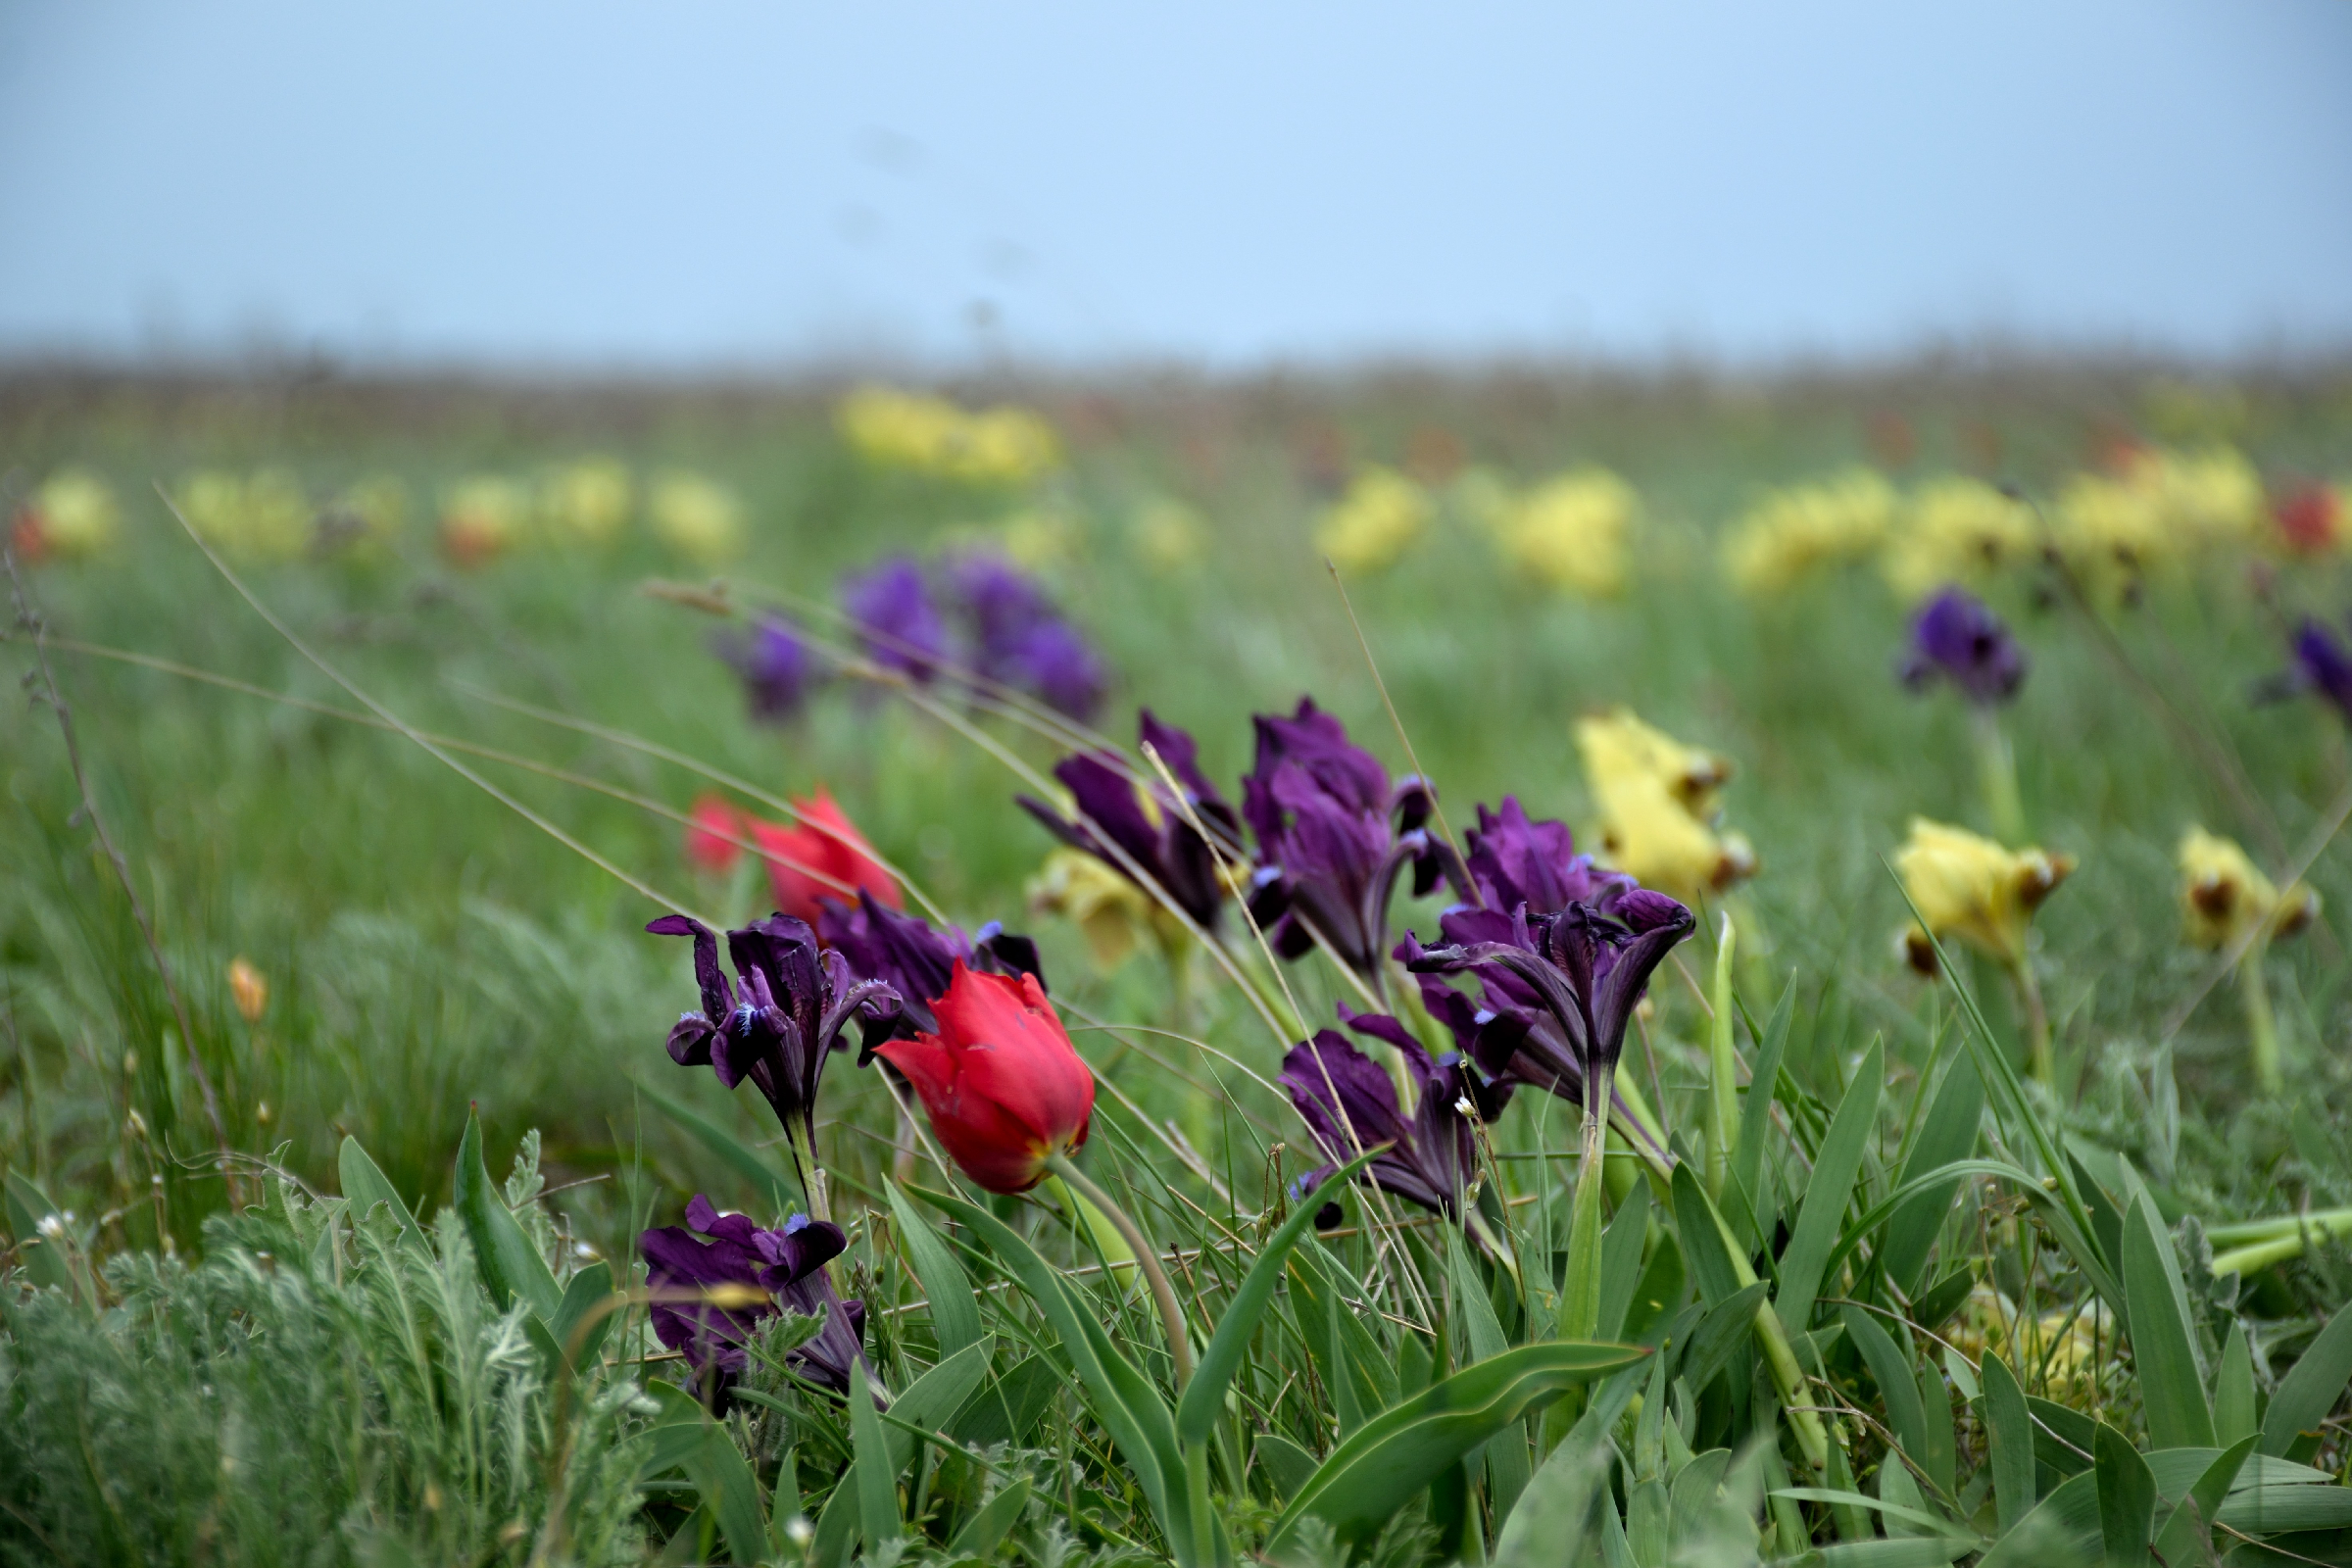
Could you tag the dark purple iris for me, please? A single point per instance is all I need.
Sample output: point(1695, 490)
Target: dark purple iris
point(1021, 641)
point(788, 1266)
point(896, 620)
point(1333, 837)
point(1350, 1103)
point(787, 1017)
point(1560, 987)
point(1958, 638)
point(2322, 664)
point(1157, 842)
point(917, 959)
point(1513, 861)
point(775, 664)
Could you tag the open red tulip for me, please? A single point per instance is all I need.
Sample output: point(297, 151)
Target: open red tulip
point(710, 838)
point(1002, 1085)
point(825, 856)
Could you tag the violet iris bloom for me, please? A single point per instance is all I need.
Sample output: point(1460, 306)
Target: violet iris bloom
point(916, 959)
point(1158, 840)
point(787, 1018)
point(776, 668)
point(1512, 861)
point(1333, 836)
point(1019, 640)
point(902, 630)
point(1350, 1103)
point(2322, 664)
point(1958, 638)
point(787, 1264)
point(1581, 968)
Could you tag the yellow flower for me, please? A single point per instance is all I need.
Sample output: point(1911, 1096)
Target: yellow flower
point(2161, 508)
point(1971, 888)
point(264, 517)
point(482, 518)
point(1956, 530)
point(1002, 445)
point(1382, 516)
point(1169, 535)
point(248, 988)
point(2209, 497)
point(1040, 537)
point(2224, 895)
point(588, 501)
point(699, 519)
point(72, 515)
point(1572, 532)
point(1790, 533)
point(1658, 800)
point(1112, 912)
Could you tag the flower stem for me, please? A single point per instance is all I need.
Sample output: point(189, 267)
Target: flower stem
point(1171, 1315)
point(813, 1177)
point(2037, 1023)
point(1580, 1295)
point(2262, 1027)
point(1999, 765)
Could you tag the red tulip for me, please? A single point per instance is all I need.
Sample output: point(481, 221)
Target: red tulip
point(1002, 1085)
point(709, 838)
point(823, 857)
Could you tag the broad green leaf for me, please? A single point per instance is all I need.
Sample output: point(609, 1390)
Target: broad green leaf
point(1556, 1509)
point(1948, 1134)
point(873, 1473)
point(1506, 1455)
point(2274, 1511)
point(1920, 1517)
point(1755, 1112)
point(931, 1399)
point(2311, 1387)
point(2162, 1348)
point(2062, 1530)
point(1621, 1259)
point(1822, 1213)
point(43, 1259)
point(2127, 1498)
point(1008, 1409)
point(510, 1265)
point(979, 1538)
point(1701, 1237)
point(2062, 1435)
point(1892, 1371)
point(730, 1492)
point(1397, 1453)
point(2234, 1409)
point(2009, 1433)
point(1579, 1285)
point(364, 1185)
point(1285, 1464)
point(1728, 1325)
point(587, 1290)
point(1940, 1459)
point(2178, 1540)
point(1204, 1397)
point(762, 1177)
point(954, 1310)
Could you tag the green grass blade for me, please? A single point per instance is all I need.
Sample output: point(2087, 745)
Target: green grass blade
point(2009, 1433)
point(1548, 1527)
point(42, 1259)
point(1621, 1259)
point(1701, 1239)
point(1755, 1112)
point(2192, 1518)
point(590, 1288)
point(758, 1174)
point(2234, 1409)
point(978, 1538)
point(510, 1265)
point(871, 1472)
point(1948, 1134)
point(2311, 1387)
point(718, 1470)
point(1720, 1334)
point(2126, 1499)
point(1892, 1371)
point(2162, 1348)
point(954, 1310)
point(1579, 1285)
point(1818, 1221)
point(364, 1185)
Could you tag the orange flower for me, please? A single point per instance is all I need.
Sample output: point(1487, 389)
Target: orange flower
point(1002, 1085)
point(825, 856)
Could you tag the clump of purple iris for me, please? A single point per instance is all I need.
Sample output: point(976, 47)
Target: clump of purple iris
point(1333, 836)
point(1157, 848)
point(2321, 663)
point(787, 1265)
point(775, 664)
point(917, 959)
point(1349, 1104)
point(1514, 860)
point(1957, 638)
point(896, 618)
point(1020, 639)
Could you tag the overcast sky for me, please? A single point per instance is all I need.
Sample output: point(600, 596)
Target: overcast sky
point(572, 183)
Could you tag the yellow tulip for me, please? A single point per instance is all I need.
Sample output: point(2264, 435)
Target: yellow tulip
point(482, 518)
point(1382, 516)
point(588, 501)
point(72, 515)
point(1790, 533)
point(1572, 532)
point(1002, 445)
point(2225, 895)
point(1968, 887)
point(1113, 912)
point(1658, 810)
point(700, 520)
point(1957, 530)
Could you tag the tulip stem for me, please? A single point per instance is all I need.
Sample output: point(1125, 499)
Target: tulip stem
point(2037, 1023)
point(1171, 1315)
point(2003, 801)
point(2262, 1027)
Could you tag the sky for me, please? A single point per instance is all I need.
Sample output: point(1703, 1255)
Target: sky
point(708, 184)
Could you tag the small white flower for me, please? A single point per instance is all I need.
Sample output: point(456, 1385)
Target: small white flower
point(1464, 1108)
point(53, 1227)
point(798, 1531)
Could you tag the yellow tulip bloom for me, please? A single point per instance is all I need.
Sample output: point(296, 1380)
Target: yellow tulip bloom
point(1957, 530)
point(587, 502)
point(1572, 532)
point(1382, 516)
point(2225, 895)
point(1658, 810)
point(700, 520)
point(1970, 888)
point(1790, 533)
point(72, 515)
point(1113, 912)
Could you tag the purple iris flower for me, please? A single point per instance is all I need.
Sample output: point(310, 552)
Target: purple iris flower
point(775, 664)
point(1512, 861)
point(788, 1264)
point(1567, 981)
point(1161, 843)
point(891, 609)
point(1958, 638)
point(1053, 661)
point(2322, 664)
point(1333, 836)
point(916, 959)
point(1019, 639)
point(786, 1018)
point(1350, 1103)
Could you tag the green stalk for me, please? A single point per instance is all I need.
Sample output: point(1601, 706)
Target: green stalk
point(1998, 766)
point(1723, 1068)
point(813, 1177)
point(1580, 1292)
point(1779, 1358)
point(2037, 1022)
point(1171, 1315)
point(2262, 1028)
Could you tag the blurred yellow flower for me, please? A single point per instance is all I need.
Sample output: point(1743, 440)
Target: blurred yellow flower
point(2158, 510)
point(1169, 535)
point(482, 518)
point(1040, 537)
point(1114, 913)
point(1792, 532)
point(1956, 530)
point(1970, 888)
point(587, 502)
point(1572, 532)
point(2069, 1342)
point(699, 519)
point(1001, 445)
point(365, 517)
point(1382, 516)
point(72, 515)
point(248, 988)
point(265, 516)
point(1658, 800)
point(2225, 895)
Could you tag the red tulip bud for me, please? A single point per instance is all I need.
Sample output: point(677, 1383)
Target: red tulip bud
point(1002, 1085)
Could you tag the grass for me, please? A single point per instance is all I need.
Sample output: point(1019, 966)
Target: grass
point(427, 949)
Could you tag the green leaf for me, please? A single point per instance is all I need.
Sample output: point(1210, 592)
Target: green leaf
point(930, 1401)
point(1755, 1112)
point(1940, 1459)
point(979, 1539)
point(2163, 1349)
point(510, 1265)
point(1913, 1552)
point(2179, 1541)
point(1204, 1397)
point(1856, 1499)
point(1621, 1259)
point(1556, 1509)
point(2311, 1387)
point(872, 1471)
point(2127, 1498)
point(762, 1177)
point(364, 1185)
point(2062, 1435)
point(2009, 1432)
point(2274, 1511)
point(955, 1308)
point(1892, 1371)
point(1579, 1285)
point(1948, 1134)
point(2062, 1530)
point(1728, 1325)
point(1393, 1456)
point(718, 1470)
point(1285, 1464)
point(588, 1289)
point(27, 1206)
point(1506, 1456)
point(1806, 1260)
point(1701, 1237)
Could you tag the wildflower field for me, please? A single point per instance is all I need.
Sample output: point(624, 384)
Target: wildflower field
point(1168, 860)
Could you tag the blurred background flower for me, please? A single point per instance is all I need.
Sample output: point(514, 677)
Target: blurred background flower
point(1368, 529)
point(699, 519)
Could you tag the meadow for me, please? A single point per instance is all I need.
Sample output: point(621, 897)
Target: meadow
point(1862, 1278)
